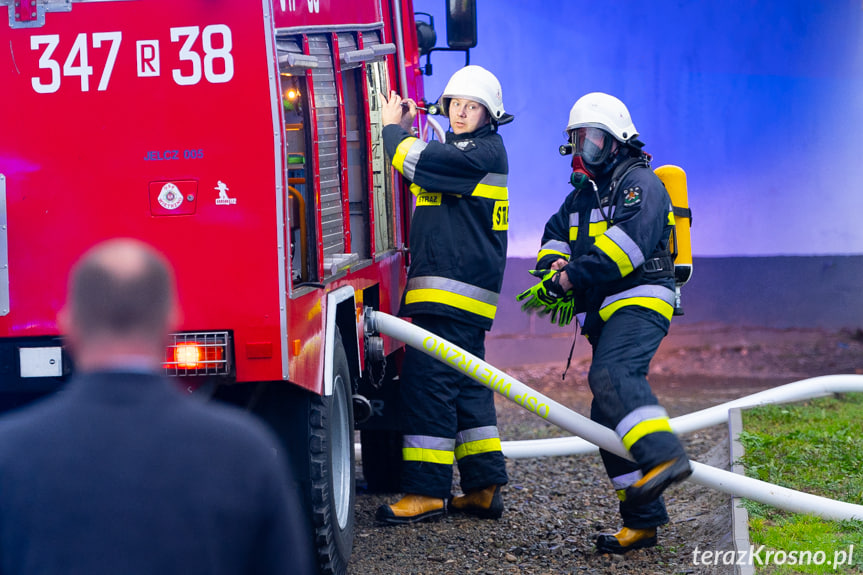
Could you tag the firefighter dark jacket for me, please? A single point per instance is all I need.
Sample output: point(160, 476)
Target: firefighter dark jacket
point(617, 247)
point(458, 231)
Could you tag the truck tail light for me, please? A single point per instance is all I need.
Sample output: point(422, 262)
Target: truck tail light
point(199, 353)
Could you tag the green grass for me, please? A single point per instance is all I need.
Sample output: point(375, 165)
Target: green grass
point(816, 447)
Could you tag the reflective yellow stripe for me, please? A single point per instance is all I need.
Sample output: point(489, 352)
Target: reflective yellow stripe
point(617, 255)
point(597, 228)
point(573, 233)
point(476, 447)
point(491, 192)
point(451, 299)
point(671, 220)
point(401, 152)
point(646, 427)
point(543, 253)
point(427, 455)
point(416, 190)
point(665, 309)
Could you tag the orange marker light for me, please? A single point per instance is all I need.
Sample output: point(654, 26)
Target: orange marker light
point(188, 355)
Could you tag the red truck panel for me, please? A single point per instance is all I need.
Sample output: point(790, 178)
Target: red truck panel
point(326, 13)
point(113, 101)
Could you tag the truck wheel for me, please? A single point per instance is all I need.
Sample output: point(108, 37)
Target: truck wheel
point(382, 460)
point(331, 444)
point(317, 432)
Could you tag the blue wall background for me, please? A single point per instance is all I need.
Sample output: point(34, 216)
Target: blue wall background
point(761, 102)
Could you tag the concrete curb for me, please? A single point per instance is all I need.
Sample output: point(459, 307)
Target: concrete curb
point(739, 515)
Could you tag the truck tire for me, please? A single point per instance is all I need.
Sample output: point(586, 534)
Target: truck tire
point(317, 432)
point(331, 444)
point(382, 460)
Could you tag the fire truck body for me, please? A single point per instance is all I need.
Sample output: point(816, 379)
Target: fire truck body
point(171, 129)
point(241, 139)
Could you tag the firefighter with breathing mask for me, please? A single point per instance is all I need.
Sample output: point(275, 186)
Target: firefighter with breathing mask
point(458, 243)
point(605, 258)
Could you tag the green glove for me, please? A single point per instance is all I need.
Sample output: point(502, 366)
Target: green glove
point(564, 311)
point(543, 297)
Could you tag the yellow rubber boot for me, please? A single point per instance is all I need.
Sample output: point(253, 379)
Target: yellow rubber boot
point(486, 503)
point(411, 509)
point(626, 540)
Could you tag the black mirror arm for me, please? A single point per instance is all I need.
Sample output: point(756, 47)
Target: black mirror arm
point(427, 69)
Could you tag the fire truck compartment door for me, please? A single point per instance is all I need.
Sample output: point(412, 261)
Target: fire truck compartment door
point(4, 251)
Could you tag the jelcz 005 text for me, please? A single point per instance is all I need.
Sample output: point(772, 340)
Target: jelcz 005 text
point(158, 155)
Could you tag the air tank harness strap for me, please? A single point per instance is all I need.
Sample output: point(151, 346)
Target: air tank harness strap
point(659, 266)
point(682, 213)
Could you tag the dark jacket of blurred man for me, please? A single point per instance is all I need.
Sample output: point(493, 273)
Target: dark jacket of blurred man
point(122, 473)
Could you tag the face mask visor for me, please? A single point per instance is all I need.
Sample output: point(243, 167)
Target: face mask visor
point(593, 145)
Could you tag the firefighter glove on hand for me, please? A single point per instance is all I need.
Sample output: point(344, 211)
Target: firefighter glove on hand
point(544, 297)
point(564, 310)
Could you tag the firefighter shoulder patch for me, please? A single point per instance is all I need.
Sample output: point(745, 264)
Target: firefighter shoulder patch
point(464, 145)
point(632, 196)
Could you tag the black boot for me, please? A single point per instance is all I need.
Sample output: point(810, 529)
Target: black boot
point(658, 479)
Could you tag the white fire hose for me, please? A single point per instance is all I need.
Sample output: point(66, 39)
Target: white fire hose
point(797, 391)
point(553, 412)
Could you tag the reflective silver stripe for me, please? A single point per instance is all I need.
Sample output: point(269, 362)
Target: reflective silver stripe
point(409, 168)
point(428, 442)
point(477, 434)
point(555, 246)
point(629, 247)
point(624, 481)
point(573, 220)
point(638, 415)
point(454, 286)
point(491, 179)
point(658, 292)
point(596, 216)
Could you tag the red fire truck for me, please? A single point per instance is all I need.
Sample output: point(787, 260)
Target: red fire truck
point(242, 139)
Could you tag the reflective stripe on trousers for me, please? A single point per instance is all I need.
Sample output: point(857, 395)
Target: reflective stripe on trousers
point(446, 291)
point(477, 441)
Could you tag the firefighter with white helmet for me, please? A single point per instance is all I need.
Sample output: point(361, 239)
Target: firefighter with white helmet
point(605, 257)
point(477, 84)
point(458, 253)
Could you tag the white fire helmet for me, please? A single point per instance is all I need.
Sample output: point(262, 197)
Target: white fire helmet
point(477, 84)
point(598, 110)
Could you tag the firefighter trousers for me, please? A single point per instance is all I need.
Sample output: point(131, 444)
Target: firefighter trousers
point(623, 401)
point(446, 416)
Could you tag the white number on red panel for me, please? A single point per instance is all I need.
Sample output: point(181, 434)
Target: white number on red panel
point(217, 44)
point(210, 59)
point(76, 62)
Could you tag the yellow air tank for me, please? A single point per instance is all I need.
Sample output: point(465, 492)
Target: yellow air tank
point(674, 179)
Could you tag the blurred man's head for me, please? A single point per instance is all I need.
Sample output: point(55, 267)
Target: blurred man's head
point(121, 305)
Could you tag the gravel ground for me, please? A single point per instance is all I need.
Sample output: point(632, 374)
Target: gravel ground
point(556, 506)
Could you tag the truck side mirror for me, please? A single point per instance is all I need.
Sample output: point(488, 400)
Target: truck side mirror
point(461, 24)
point(426, 37)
